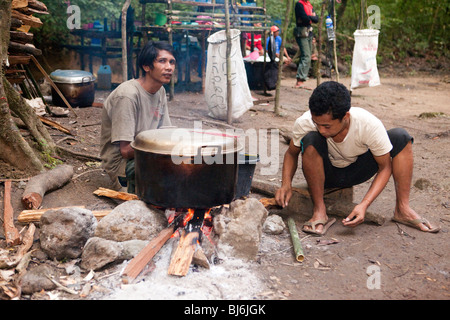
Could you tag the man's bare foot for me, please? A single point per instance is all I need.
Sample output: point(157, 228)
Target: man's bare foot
point(411, 218)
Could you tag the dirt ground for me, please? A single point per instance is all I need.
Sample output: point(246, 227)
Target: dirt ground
point(368, 262)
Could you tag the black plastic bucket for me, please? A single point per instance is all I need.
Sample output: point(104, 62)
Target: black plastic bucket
point(246, 169)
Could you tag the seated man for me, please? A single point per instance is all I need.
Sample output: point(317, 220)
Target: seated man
point(276, 35)
point(342, 146)
point(135, 106)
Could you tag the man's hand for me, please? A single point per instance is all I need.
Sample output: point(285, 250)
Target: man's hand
point(356, 217)
point(283, 195)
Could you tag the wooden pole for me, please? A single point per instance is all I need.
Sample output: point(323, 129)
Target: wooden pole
point(287, 20)
point(334, 42)
point(319, 44)
point(298, 249)
point(228, 60)
point(124, 41)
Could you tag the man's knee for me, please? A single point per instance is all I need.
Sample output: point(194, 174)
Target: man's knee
point(399, 138)
point(316, 141)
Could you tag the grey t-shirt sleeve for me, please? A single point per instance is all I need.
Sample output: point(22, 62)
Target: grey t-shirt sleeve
point(123, 119)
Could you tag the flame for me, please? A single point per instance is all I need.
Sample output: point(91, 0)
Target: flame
point(206, 227)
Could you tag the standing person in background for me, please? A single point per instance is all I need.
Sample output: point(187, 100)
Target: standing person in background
point(304, 15)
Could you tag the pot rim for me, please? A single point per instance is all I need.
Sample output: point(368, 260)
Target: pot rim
point(72, 76)
point(186, 142)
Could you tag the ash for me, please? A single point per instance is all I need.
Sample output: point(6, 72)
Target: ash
point(231, 279)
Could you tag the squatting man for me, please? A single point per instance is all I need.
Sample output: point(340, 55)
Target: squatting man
point(342, 146)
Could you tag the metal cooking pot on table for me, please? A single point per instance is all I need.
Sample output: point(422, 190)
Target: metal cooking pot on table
point(186, 168)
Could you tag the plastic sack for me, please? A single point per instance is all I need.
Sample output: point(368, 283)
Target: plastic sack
point(216, 77)
point(364, 64)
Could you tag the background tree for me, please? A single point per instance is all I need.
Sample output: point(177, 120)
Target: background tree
point(14, 149)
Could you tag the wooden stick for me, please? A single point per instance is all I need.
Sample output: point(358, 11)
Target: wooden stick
point(298, 249)
point(55, 125)
point(137, 264)
point(38, 65)
point(182, 258)
point(11, 233)
point(115, 194)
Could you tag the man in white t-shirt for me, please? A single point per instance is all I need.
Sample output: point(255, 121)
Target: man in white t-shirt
point(135, 106)
point(342, 146)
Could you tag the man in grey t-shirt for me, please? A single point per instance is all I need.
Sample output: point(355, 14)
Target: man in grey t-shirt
point(135, 106)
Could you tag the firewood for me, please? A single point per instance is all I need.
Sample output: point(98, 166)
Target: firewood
point(31, 11)
point(16, 47)
point(115, 194)
point(19, 4)
point(27, 216)
point(38, 185)
point(182, 258)
point(137, 264)
point(38, 5)
point(11, 233)
point(29, 20)
point(21, 37)
point(16, 23)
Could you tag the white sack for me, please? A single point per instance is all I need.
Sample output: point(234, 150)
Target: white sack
point(216, 77)
point(364, 64)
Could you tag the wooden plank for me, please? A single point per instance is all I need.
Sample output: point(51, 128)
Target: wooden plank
point(11, 233)
point(137, 264)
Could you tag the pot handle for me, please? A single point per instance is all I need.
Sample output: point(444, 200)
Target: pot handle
point(199, 150)
point(89, 79)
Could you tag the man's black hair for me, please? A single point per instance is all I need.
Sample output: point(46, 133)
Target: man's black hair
point(330, 97)
point(150, 51)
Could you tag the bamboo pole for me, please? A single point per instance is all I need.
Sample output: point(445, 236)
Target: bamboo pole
point(298, 249)
point(287, 20)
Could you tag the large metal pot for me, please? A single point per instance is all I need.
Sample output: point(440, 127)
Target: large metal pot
point(186, 168)
point(77, 87)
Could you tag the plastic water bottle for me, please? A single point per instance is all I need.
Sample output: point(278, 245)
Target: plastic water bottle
point(330, 29)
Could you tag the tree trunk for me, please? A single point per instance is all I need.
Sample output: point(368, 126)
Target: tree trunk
point(13, 147)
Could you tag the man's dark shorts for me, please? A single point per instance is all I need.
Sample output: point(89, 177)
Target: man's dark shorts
point(362, 169)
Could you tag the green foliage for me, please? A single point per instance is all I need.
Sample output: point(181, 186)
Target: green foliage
point(408, 27)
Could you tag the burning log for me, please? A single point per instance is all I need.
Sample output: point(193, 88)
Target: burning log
point(182, 258)
point(190, 238)
point(11, 233)
point(47, 181)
